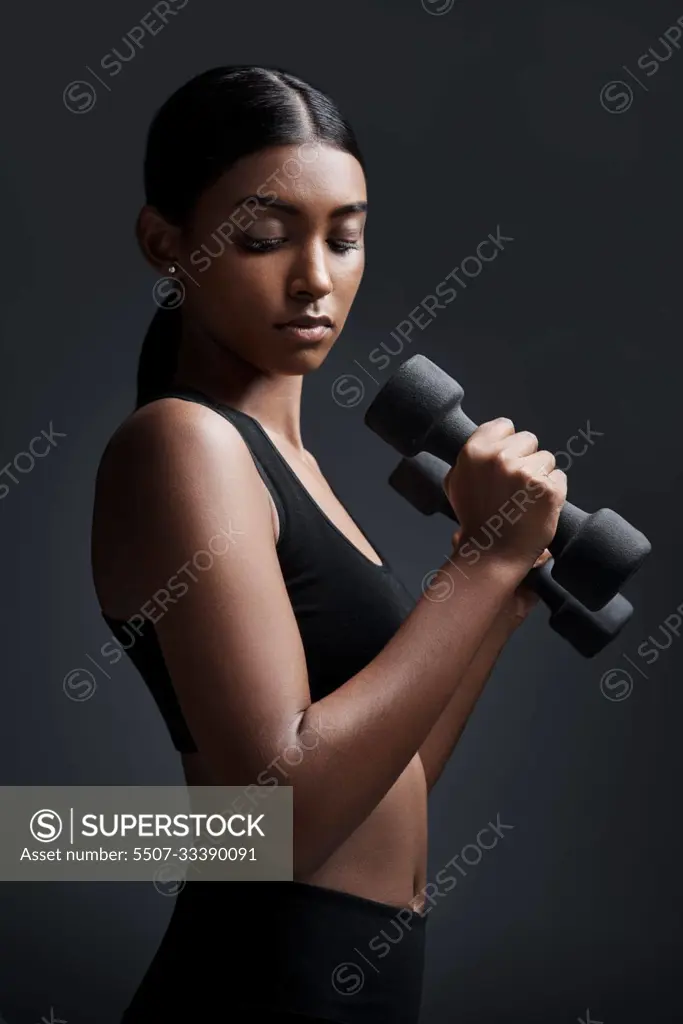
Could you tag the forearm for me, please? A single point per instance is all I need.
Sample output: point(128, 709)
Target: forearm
point(445, 733)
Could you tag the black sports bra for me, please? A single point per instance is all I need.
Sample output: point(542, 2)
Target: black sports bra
point(346, 606)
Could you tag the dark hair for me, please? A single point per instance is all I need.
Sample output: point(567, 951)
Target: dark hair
point(204, 128)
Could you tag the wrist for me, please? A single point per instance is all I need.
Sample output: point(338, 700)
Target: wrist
point(507, 568)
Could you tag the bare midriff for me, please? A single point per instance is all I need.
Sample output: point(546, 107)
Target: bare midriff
point(385, 859)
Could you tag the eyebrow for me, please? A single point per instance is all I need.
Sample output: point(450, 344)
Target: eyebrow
point(280, 204)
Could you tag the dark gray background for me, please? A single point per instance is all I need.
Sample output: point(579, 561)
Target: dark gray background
point(487, 115)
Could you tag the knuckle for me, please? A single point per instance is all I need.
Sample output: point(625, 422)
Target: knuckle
point(500, 458)
point(474, 449)
point(536, 482)
point(527, 479)
point(496, 424)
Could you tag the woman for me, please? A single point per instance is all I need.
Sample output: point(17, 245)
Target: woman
point(256, 203)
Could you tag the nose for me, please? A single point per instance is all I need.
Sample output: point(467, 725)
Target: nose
point(310, 274)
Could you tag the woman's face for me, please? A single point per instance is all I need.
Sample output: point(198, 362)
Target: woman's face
point(277, 237)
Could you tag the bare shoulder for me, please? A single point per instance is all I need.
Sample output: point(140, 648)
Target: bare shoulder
point(170, 440)
point(170, 421)
point(170, 469)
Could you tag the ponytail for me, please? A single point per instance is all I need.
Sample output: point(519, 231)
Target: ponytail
point(158, 355)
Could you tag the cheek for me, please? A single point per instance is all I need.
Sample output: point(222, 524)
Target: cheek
point(348, 277)
point(242, 289)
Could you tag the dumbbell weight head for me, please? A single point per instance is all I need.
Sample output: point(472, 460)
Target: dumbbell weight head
point(588, 632)
point(600, 556)
point(420, 481)
point(419, 410)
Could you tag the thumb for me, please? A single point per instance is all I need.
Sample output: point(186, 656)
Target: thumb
point(542, 559)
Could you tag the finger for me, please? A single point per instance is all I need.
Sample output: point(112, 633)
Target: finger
point(492, 431)
point(520, 444)
point(542, 559)
point(558, 479)
point(540, 464)
point(447, 479)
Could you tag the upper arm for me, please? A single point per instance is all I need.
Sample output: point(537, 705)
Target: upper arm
point(199, 528)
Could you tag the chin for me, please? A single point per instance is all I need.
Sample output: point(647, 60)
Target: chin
point(306, 360)
point(303, 357)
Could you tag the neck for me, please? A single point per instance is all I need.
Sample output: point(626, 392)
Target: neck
point(275, 400)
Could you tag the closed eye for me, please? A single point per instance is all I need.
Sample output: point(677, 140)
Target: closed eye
point(339, 245)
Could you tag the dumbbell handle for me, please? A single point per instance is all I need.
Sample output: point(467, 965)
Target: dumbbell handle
point(447, 442)
point(431, 470)
point(420, 481)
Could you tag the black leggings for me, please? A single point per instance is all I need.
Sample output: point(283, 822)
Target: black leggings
point(282, 953)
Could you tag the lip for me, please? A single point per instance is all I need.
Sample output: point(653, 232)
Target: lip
point(303, 333)
point(308, 321)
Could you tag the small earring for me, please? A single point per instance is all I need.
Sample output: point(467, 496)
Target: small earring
point(172, 269)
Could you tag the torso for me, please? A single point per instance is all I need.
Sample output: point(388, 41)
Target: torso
point(385, 859)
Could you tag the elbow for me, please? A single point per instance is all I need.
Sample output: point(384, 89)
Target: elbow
point(313, 843)
point(295, 768)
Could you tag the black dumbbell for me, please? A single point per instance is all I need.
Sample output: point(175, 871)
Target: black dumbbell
point(420, 481)
point(418, 410)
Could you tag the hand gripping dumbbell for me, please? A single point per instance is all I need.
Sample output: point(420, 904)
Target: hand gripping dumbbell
point(418, 410)
point(420, 481)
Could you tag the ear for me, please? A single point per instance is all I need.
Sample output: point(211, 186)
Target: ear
point(158, 239)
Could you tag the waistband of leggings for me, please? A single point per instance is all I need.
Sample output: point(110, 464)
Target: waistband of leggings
point(364, 905)
point(296, 893)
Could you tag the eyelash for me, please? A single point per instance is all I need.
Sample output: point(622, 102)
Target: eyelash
point(270, 244)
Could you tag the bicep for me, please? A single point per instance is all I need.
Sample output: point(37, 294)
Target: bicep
point(203, 531)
